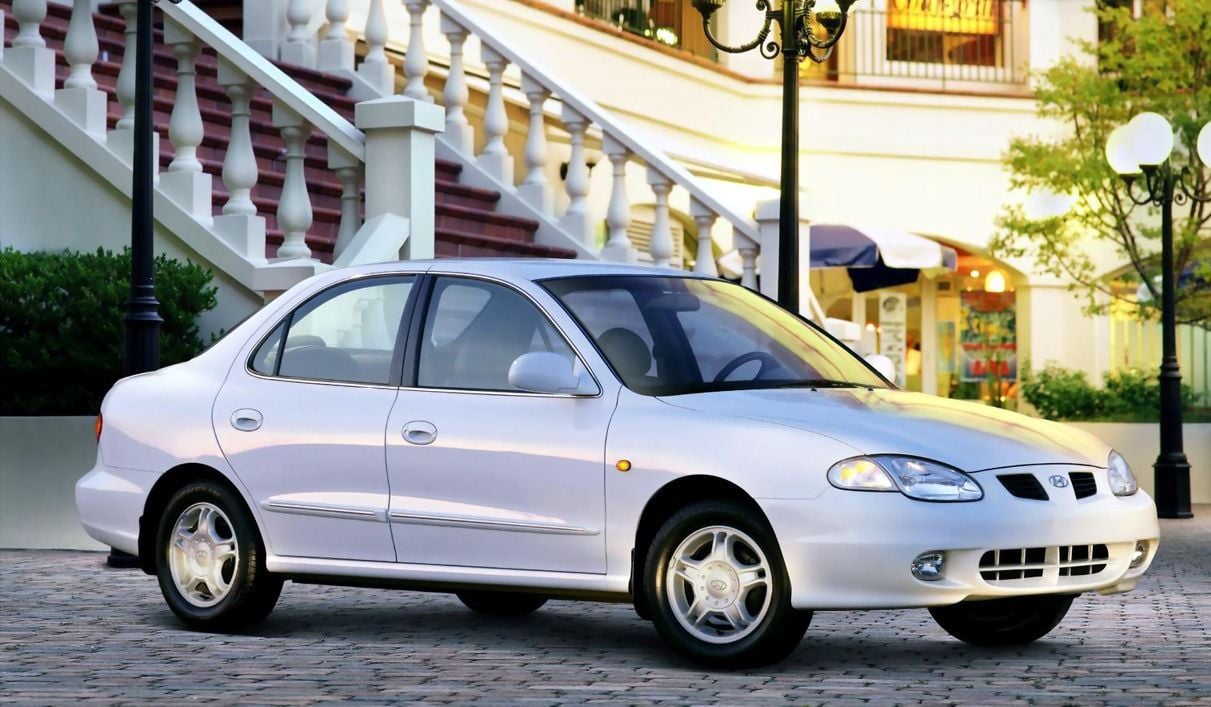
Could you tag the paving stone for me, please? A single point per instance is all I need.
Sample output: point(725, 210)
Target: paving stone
point(75, 631)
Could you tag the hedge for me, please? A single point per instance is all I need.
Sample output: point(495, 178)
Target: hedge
point(1059, 393)
point(61, 325)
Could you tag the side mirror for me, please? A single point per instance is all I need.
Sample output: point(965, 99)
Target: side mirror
point(546, 372)
point(883, 365)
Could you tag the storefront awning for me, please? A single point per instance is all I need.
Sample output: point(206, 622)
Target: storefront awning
point(877, 257)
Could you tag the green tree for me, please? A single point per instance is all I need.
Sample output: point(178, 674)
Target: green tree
point(1160, 62)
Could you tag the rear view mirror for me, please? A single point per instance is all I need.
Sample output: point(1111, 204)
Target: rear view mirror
point(546, 372)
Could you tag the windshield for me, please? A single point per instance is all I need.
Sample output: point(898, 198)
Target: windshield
point(676, 335)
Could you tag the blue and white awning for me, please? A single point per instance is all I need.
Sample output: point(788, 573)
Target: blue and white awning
point(836, 246)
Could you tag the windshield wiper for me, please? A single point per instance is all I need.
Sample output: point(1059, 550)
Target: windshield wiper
point(818, 383)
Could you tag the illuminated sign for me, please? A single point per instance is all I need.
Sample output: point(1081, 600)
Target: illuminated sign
point(950, 16)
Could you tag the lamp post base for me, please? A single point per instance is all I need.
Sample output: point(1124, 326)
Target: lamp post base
point(1172, 485)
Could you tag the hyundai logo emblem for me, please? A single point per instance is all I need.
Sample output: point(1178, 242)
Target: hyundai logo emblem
point(1059, 481)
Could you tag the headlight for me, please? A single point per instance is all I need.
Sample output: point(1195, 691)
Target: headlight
point(915, 478)
point(1122, 481)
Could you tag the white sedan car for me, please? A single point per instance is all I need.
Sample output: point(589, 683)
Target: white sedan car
point(513, 431)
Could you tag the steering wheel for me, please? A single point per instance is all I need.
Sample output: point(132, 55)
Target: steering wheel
point(768, 363)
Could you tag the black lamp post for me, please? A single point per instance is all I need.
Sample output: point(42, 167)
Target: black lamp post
point(142, 320)
point(798, 41)
point(1142, 147)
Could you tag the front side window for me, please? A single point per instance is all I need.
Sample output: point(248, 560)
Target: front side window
point(474, 330)
point(671, 336)
point(346, 334)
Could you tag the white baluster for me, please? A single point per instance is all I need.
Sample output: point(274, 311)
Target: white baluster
point(748, 262)
point(534, 189)
point(704, 263)
point(185, 181)
point(618, 245)
point(240, 225)
point(29, 58)
point(30, 15)
point(416, 62)
point(348, 170)
point(336, 49)
point(299, 47)
point(661, 247)
point(495, 157)
point(459, 133)
point(375, 68)
point(126, 76)
point(79, 98)
point(294, 207)
point(576, 220)
point(80, 48)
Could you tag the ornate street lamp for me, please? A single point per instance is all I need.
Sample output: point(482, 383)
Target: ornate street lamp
point(1142, 147)
point(797, 41)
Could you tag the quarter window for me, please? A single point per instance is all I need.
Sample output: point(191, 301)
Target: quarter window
point(474, 330)
point(346, 334)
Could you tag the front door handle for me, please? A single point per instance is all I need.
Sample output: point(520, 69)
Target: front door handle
point(246, 420)
point(420, 432)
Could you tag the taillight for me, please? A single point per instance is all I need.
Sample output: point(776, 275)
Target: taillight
point(97, 428)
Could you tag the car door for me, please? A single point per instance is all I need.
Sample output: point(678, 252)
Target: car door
point(301, 419)
point(484, 475)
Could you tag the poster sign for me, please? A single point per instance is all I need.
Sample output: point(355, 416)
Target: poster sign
point(950, 16)
point(988, 337)
point(893, 330)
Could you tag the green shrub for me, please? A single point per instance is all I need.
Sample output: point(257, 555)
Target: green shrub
point(1132, 395)
point(61, 325)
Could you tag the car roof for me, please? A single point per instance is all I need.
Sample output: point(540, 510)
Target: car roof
point(515, 268)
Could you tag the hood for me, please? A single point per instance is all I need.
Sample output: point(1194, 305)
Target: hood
point(967, 436)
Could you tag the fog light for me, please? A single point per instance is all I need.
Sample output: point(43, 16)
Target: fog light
point(1140, 554)
point(929, 566)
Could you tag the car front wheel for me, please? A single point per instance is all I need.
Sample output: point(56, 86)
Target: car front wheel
point(718, 590)
point(211, 562)
point(1015, 621)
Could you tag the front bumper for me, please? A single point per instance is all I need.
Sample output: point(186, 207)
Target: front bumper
point(853, 550)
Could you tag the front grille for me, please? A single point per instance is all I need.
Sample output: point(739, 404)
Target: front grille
point(1020, 564)
point(1023, 486)
point(1083, 484)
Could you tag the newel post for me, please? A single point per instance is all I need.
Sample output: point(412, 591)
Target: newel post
point(400, 172)
point(767, 217)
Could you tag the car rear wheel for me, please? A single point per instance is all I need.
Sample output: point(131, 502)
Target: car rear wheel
point(1015, 621)
point(718, 589)
point(501, 603)
point(211, 562)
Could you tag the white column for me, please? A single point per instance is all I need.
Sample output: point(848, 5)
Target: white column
point(459, 133)
point(294, 207)
point(416, 62)
point(375, 68)
point(336, 49)
point(400, 171)
point(576, 220)
point(126, 76)
point(79, 98)
point(618, 246)
point(28, 57)
point(534, 189)
point(299, 47)
point(767, 217)
point(662, 247)
point(240, 225)
point(748, 260)
point(495, 158)
point(349, 171)
point(704, 263)
point(185, 182)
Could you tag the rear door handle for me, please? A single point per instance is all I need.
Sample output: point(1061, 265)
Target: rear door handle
point(246, 420)
point(419, 432)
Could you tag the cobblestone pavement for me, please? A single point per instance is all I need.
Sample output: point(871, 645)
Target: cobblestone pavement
point(72, 630)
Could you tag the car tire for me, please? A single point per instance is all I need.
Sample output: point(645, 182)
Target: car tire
point(717, 588)
point(503, 604)
point(1015, 621)
point(210, 560)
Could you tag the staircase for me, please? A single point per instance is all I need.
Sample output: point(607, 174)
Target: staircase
point(467, 222)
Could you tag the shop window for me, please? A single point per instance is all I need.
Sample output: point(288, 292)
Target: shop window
point(949, 32)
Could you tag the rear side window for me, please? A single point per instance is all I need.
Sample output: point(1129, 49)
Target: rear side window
point(346, 334)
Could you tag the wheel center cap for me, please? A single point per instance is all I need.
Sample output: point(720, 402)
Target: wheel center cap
point(720, 584)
